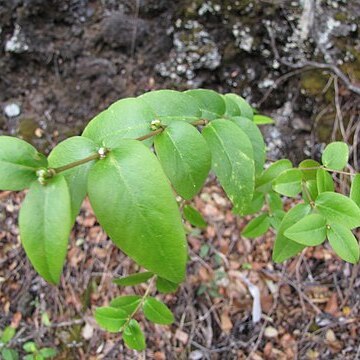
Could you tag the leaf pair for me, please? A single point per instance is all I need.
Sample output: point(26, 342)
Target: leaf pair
point(118, 317)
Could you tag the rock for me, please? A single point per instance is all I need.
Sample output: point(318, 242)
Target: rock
point(194, 49)
point(12, 110)
point(17, 43)
point(271, 332)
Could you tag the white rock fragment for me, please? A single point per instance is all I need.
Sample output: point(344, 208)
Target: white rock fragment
point(271, 332)
point(17, 43)
point(12, 110)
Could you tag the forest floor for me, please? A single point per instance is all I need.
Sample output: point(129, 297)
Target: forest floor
point(310, 304)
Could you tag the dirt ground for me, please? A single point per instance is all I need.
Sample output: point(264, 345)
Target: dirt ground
point(62, 62)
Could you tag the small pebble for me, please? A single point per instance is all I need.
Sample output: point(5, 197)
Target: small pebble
point(12, 110)
point(270, 332)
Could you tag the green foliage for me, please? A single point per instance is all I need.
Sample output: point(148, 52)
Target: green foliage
point(134, 279)
point(335, 155)
point(194, 217)
point(184, 156)
point(130, 188)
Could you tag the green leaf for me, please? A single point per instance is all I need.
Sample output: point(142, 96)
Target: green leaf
point(257, 226)
point(245, 109)
point(184, 156)
point(309, 164)
point(194, 217)
point(30, 347)
point(19, 162)
point(133, 336)
point(344, 243)
point(9, 354)
point(165, 286)
point(232, 161)
point(30, 357)
point(211, 104)
point(275, 202)
point(140, 213)
point(66, 152)
point(256, 204)
point(256, 138)
point(128, 303)
point(48, 352)
point(355, 190)
point(284, 248)
point(276, 218)
point(170, 105)
point(134, 279)
point(157, 312)
point(288, 183)
point(335, 155)
point(110, 318)
point(7, 334)
point(231, 109)
point(309, 231)
point(339, 209)
point(263, 120)
point(312, 190)
point(127, 118)
point(45, 223)
point(324, 181)
point(264, 182)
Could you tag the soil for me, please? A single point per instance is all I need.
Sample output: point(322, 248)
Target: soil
point(62, 62)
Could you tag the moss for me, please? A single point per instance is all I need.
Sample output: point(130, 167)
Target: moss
point(313, 82)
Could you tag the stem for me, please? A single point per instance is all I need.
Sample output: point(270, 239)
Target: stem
point(76, 163)
point(328, 169)
point(146, 294)
point(97, 155)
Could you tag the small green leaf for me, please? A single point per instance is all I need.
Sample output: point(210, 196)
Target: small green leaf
point(337, 208)
point(140, 213)
point(48, 352)
point(335, 155)
point(7, 334)
point(66, 152)
point(324, 181)
point(245, 109)
point(343, 242)
point(45, 223)
point(274, 201)
point(232, 161)
point(264, 182)
point(127, 303)
point(309, 164)
point(288, 183)
point(194, 217)
point(165, 286)
point(170, 105)
point(110, 318)
point(284, 248)
point(9, 354)
point(309, 231)
point(18, 163)
point(256, 138)
point(133, 279)
point(256, 204)
point(125, 119)
point(257, 226)
point(276, 218)
point(312, 190)
point(263, 120)
point(184, 156)
point(231, 108)
point(211, 104)
point(133, 336)
point(29, 357)
point(30, 347)
point(157, 312)
point(355, 190)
